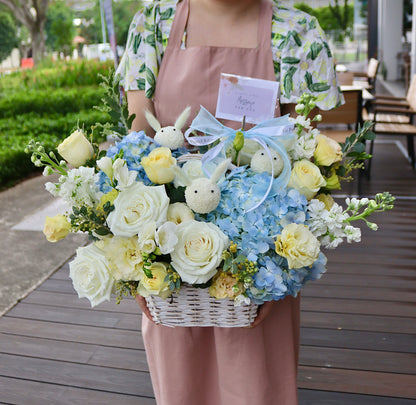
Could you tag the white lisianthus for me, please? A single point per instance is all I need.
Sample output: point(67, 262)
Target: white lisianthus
point(124, 257)
point(166, 238)
point(179, 212)
point(125, 178)
point(146, 237)
point(137, 205)
point(105, 164)
point(91, 276)
point(76, 149)
point(197, 254)
point(79, 187)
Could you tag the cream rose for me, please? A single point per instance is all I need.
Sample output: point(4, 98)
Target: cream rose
point(198, 251)
point(76, 149)
point(124, 257)
point(56, 228)
point(327, 152)
point(135, 206)
point(159, 165)
point(306, 178)
point(179, 212)
point(91, 276)
point(298, 245)
point(156, 285)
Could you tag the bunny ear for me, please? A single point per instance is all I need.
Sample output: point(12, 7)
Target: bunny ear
point(180, 121)
point(220, 170)
point(152, 120)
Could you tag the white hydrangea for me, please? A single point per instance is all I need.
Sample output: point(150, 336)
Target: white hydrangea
point(79, 187)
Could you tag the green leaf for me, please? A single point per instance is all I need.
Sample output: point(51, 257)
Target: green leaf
point(141, 84)
point(290, 60)
point(151, 40)
point(359, 147)
point(102, 231)
point(370, 136)
point(166, 14)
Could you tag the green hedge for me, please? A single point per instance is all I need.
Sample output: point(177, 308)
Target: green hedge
point(16, 133)
point(60, 101)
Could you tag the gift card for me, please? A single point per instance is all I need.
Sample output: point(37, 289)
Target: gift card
point(241, 96)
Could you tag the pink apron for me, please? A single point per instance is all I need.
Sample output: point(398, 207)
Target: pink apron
point(219, 366)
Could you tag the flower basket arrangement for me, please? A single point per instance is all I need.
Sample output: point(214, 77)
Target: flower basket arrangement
point(207, 233)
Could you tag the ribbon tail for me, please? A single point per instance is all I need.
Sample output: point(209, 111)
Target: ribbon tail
point(210, 156)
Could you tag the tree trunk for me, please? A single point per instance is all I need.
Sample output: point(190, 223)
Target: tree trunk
point(38, 44)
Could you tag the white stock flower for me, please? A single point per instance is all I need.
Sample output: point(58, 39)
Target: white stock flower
point(79, 187)
point(198, 251)
point(137, 205)
point(91, 276)
point(353, 234)
point(241, 300)
point(166, 238)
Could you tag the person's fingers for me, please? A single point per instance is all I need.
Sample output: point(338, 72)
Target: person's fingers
point(142, 303)
point(262, 314)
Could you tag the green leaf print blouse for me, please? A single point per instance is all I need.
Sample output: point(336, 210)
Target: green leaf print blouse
point(302, 59)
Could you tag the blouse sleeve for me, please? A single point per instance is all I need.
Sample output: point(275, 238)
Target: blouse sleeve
point(305, 61)
point(139, 66)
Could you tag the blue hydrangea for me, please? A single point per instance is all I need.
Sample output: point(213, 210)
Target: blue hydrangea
point(255, 230)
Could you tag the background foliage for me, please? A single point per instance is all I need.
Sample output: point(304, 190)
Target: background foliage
point(45, 104)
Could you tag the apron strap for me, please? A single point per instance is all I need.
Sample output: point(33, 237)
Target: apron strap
point(179, 23)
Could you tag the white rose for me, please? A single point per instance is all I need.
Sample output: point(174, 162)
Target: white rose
point(76, 149)
point(166, 238)
point(198, 251)
point(136, 206)
point(91, 276)
point(179, 212)
point(157, 285)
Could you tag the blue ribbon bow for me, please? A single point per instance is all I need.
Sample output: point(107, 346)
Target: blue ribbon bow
point(266, 134)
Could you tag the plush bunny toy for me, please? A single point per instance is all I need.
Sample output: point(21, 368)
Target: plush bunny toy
point(171, 137)
point(203, 195)
point(260, 162)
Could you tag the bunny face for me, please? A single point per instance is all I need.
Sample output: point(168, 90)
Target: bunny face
point(260, 162)
point(202, 195)
point(171, 137)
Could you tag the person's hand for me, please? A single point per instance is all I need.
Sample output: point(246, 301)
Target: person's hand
point(264, 310)
point(142, 302)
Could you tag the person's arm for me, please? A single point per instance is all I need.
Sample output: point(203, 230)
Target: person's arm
point(138, 103)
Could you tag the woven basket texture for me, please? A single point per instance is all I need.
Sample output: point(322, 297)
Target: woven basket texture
point(195, 307)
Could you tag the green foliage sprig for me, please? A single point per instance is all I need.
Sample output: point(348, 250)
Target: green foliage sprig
point(91, 220)
point(41, 158)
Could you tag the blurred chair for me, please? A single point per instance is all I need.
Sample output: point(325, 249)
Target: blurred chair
point(393, 116)
point(345, 78)
point(341, 122)
point(369, 76)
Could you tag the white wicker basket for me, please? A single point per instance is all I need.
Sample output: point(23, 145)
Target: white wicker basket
point(195, 307)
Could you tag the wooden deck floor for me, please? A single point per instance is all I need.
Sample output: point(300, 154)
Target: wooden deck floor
point(358, 341)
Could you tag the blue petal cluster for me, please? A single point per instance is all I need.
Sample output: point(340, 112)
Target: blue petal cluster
point(255, 231)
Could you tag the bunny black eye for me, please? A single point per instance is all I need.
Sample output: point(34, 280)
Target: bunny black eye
point(275, 158)
point(212, 191)
point(161, 130)
point(174, 129)
point(262, 153)
point(196, 191)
